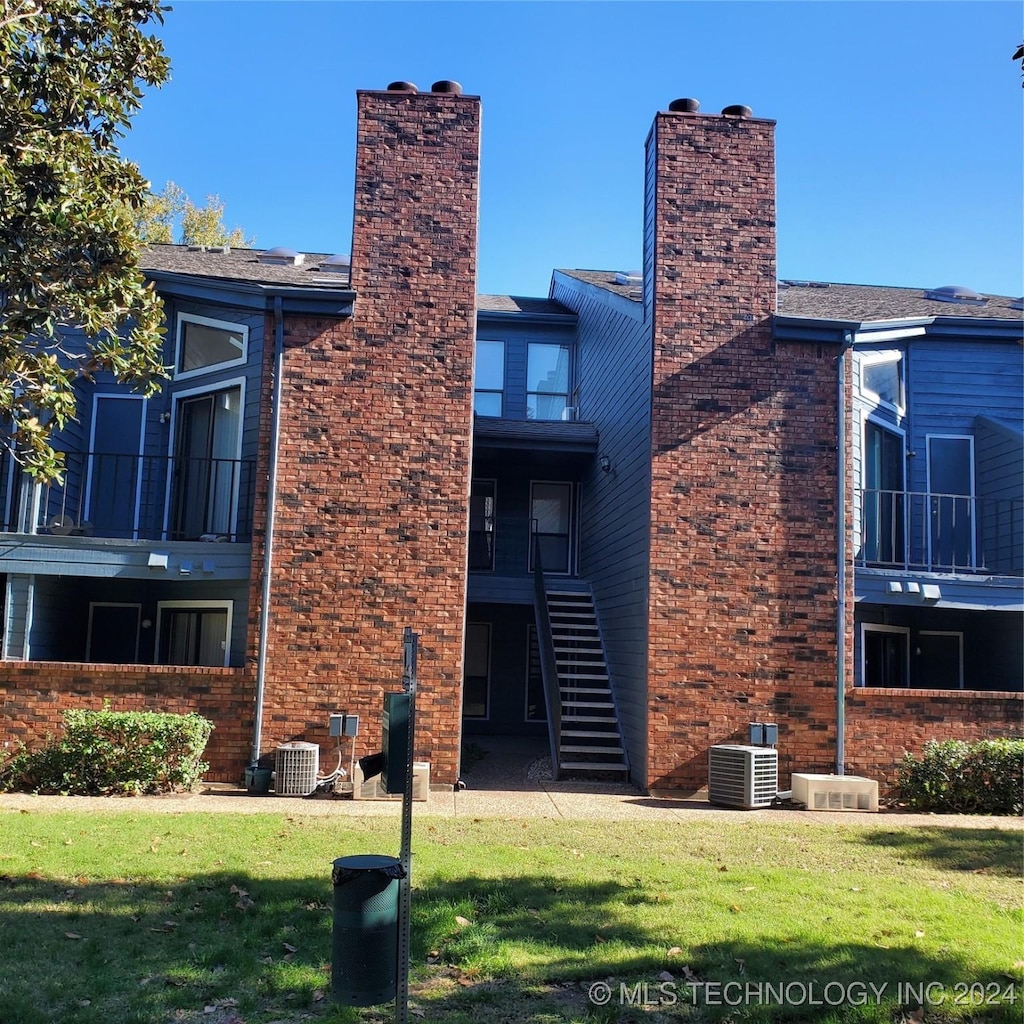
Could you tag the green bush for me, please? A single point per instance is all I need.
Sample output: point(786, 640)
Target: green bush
point(965, 778)
point(107, 752)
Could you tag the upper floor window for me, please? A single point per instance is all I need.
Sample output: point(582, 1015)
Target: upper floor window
point(204, 345)
point(547, 381)
point(882, 377)
point(489, 378)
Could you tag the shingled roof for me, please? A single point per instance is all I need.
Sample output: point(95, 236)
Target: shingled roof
point(239, 265)
point(819, 300)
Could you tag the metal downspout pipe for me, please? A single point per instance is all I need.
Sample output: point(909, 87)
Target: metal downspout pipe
point(268, 541)
point(841, 543)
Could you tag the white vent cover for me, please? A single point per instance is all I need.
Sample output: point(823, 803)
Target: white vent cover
point(296, 769)
point(743, 776)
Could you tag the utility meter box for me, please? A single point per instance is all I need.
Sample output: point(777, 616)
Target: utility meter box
point(396, 743)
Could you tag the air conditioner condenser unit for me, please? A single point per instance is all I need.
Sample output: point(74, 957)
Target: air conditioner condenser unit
point(740, 776)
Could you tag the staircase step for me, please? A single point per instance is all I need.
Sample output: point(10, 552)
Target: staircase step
point(571, 676)
point(593, 766)
point(589, 734)
point(588, 720)
point(580, 749)
point(597, 706)
point(582, 689)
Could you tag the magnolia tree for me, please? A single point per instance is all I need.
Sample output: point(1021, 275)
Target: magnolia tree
point(71, 77)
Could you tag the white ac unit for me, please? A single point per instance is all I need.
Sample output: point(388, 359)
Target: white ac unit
point(570, 412)
point(742, 776)
point(296, 767)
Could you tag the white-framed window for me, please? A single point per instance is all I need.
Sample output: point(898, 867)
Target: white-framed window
point(939, 659)
point(547, 380)
point(883, 378)
point(203, 345)
point(206, 455)
point(194, 632)
point(884, 655)
point(883, 498)
point(489, 378)
point(476, 683)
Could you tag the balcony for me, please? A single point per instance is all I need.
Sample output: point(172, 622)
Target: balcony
point(134, 497)
point(945, 533)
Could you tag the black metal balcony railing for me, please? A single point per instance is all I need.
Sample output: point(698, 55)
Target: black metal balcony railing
point(136, 497)
point(940, 532)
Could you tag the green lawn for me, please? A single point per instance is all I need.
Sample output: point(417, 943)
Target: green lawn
point(125, 918)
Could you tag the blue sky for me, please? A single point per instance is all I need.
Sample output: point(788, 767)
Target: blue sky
point(899, 139)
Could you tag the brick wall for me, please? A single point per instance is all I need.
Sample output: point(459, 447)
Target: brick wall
point(374, 455)
point(881, 724)
point(742, 565)
point(34, 696)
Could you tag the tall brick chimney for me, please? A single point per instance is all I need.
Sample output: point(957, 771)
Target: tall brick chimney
point(375, 447)
point(742, 538)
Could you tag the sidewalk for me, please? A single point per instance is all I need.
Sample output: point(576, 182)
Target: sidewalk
point(554, 800)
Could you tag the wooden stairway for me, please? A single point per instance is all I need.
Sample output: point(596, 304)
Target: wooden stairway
point(591, 742)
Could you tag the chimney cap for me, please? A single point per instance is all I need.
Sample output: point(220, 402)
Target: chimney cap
point(737, 110)
point(684, 106)
point(447, 85)
point(402, 87)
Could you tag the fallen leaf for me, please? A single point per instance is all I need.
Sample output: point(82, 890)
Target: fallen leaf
point(67, 842)
point(734, 909)
point(855, 888)
point(85, 1002)
point(723, 868)
point(433, 956)
point(675, 951)
point(462, 922)
point(34, 843)
point(742, 965)
point(266, 959)
point(600, 938)
point(289, 947)
point(417, 1012)
point(690, 975)
point(919, 934)
point(917, 1016)
point(665, 976)
point(318, 996)
point(237, 891)
point(72, 935)
point(748, 888)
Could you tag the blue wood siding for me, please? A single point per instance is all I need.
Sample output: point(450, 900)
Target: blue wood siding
point(17, 592)
point(60, 616)
point(614, 362)
point(999, 461)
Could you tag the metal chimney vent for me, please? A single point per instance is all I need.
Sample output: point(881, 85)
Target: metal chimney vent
point(956, 293)
point(629, 277)
point(337, 264)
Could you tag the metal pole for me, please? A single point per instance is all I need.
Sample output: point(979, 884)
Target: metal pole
point(410, 648)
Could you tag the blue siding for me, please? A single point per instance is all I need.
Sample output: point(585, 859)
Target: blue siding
point(614, 361)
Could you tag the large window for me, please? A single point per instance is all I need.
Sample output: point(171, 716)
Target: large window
point(206, 464)
point(205, 344)
point(884, 501)
point(547, 381)
point(882, 377)
point(885, 655)
point(489, 378)
point(193, 632)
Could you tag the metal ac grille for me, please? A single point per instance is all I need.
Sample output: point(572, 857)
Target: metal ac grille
point(742, 776)
point(296, 766)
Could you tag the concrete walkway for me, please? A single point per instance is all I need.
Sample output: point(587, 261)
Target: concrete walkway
point(566, 801)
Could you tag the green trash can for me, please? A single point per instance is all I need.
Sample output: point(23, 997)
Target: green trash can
point(364, 951)
point(257, 780)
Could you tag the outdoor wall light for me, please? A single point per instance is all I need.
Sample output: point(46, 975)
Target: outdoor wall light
point(605, 462)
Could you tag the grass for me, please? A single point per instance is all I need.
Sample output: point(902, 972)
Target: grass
point(128, 918)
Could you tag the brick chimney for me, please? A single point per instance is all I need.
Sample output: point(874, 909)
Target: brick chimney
point(742, 539)
point(372, 509)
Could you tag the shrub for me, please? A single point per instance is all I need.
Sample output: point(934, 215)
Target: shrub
point(965, 778)
point(105, 752)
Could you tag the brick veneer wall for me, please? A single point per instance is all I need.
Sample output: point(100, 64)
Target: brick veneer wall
point(34, 696)
point(374, 454)
point(742, 602)
point(883, 723)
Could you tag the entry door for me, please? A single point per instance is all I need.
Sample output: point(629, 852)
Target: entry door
point(551, 513)
point(883, 500)
point(206, 464)
point(114, 633)
point(114, 466)
point(951, 502)
point(193, 634)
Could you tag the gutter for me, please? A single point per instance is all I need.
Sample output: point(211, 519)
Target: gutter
point(841, 543)
point(268, 539)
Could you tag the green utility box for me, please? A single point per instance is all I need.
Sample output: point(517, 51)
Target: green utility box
point(364, 952)
point(395, 770)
